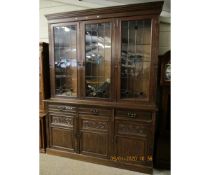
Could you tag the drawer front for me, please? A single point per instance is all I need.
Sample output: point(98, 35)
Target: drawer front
point(134, 114)
point(95, 111)
point(132, 128)
point(61, 108)
point(61, 120)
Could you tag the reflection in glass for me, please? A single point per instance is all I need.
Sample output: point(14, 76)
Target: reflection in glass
point(135, 58)
point(65, 60)
point(98, 59)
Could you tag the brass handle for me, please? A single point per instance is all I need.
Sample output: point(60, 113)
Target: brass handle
point(61, 108)
point(132, 115)
point(68, 107)
point(94, 111)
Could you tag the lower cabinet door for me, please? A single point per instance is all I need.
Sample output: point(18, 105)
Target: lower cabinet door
point(62, 139)
point(94, 136)
point(130, 150)
point(132, 141)
point(62, 131)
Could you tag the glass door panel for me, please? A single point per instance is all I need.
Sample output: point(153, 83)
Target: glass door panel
point(98, 60)
point(65, 54)
point(135, 59)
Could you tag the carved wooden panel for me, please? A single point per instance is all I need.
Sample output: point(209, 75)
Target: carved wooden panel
point(131, 129)
point(92, 124)
point(62, 138)
point(95, 144)
point(62, 121)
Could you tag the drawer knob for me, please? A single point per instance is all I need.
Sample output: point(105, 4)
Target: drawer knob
point(132, 115)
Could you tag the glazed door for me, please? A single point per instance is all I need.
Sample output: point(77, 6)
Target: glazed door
point(97, 59)
point(134, 59)
point(65, 63)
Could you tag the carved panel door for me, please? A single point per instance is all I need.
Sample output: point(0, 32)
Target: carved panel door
point(94, 135)
point(62, 132)
point(131, 142)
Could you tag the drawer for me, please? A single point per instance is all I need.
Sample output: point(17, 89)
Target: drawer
point(95, 111)
point(61, 108)
point(132, 128)
point(134, 114)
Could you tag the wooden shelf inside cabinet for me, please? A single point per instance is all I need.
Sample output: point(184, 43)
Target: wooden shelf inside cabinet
point(112, 92)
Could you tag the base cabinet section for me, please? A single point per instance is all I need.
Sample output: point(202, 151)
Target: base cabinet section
point(105, 134)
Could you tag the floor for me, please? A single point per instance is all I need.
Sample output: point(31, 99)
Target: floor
point(54, 165)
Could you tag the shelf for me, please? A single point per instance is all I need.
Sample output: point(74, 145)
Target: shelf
point(143, 78)
point(93, 62)
point(63, 46)
point(133, 66)
point(92, 82)
point(65, 76)
point(136, 44)
point(95, 77)
point(65, 95)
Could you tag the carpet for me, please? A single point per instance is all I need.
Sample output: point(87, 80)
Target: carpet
point(55, 165)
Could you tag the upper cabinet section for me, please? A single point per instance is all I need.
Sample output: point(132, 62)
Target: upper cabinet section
point(108, 54)
point(65, 60)
point(98, 59)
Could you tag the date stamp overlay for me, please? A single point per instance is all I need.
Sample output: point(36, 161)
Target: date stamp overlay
point(131, 158)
